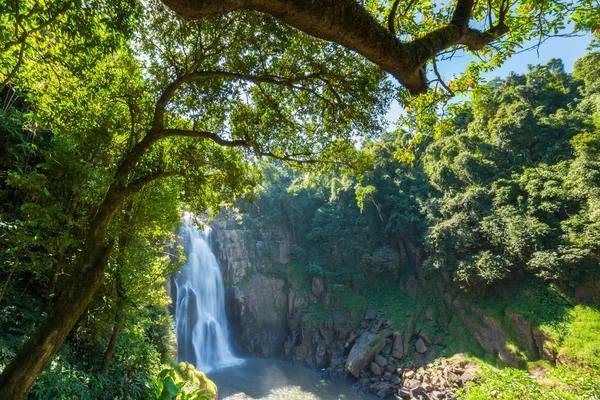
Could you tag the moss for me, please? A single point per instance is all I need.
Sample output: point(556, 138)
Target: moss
point(582, 342)
point(313, 316)
point(395, 303)
point(460, 340)
point(195, 380)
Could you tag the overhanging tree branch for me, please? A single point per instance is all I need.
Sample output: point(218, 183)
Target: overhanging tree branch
point(392, 17)
point(192, 76)
point(203, 135)
point(347, 23)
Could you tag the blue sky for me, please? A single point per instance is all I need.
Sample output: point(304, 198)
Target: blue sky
point(568, 49)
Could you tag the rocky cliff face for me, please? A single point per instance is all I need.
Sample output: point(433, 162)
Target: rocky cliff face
point(258, 310)
point(276, 309)
point(267, 314)
point(257, 302)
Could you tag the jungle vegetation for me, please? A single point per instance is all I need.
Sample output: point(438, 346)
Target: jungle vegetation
point(114, 113)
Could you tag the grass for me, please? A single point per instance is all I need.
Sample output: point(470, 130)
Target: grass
point(395, 303)
point(582, 341)
point(460, 341)
point(509, 383)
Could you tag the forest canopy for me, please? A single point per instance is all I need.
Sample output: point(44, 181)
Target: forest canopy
point(115, 113)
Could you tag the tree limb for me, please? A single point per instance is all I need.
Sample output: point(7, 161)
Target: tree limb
point(203, 135)
point(347, 23)
point(437, 73)
point(137, 185)
point(392, 17)
point(192, 76)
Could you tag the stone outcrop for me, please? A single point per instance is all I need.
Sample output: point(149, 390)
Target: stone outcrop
point(259, 308)
point(524, 334)
point(364, 351)
point(382, 375)
point(256, 303)
point(494, 337)
point(267, 317)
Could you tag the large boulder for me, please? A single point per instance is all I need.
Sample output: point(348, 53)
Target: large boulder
point(376, 369)
point(420, 346)
point(371, 315)
point(381, 360)
point(367, 346)
point(398, 347)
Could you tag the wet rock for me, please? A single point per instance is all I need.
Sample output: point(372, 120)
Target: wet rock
point(261, 309)
point(382, 389)
point(363, 352)
point(396, 380)
point(318, 287)
point(382, 361)
point(420, 346)
point(387, 376)
point(321, 354)
point(398, 346)
point(364, 382)
point(386, 332)
point(376, 369)
point(425, 336)
point(404, 393)
point(371, 315)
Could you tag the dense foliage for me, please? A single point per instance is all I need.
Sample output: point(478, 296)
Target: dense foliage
point(499, 207)
point(98, 159)
point(115, 113)
point(506, 187)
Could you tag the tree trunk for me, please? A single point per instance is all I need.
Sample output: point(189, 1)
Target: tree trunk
point(35, 355)
point(54, 280)
point(112, 344)
point(31, 360)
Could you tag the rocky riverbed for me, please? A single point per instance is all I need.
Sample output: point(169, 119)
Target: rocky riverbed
point(377, 358)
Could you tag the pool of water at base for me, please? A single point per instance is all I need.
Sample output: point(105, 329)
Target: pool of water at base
point(279, 380)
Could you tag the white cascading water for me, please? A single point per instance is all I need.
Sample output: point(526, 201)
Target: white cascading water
point(200, 320)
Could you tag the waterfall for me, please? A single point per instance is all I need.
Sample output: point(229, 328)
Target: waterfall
point(200, 321)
